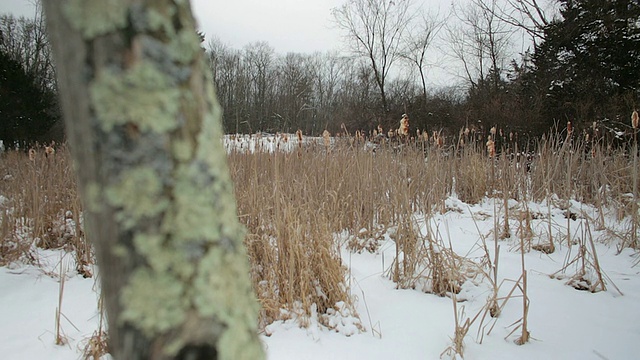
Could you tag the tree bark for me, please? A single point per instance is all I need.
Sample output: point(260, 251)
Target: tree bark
point(143, 125)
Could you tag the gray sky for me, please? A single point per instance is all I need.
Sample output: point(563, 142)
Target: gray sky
point(287, 25)
point(303, 26)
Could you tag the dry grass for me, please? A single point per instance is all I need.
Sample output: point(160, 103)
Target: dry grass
point(40, 206)
point(295, 203)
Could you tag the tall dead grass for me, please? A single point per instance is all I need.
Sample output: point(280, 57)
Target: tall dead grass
point(39, 205)
point(293, 204)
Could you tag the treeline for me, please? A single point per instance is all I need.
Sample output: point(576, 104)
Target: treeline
point(29, 111)
point(583, 66)
point(264, 91)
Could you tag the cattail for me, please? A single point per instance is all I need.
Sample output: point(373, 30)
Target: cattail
point(380, 130)
point(493, 131)
point(634, 119)
point(299, 135)
point(511, 136)
point(440, 140)
point(425, 136)
point(326, 137)
point(32, 154)
point(569, 128)
point(594, 126)
point(491, 147)
point(404, 125)
point(49, 150)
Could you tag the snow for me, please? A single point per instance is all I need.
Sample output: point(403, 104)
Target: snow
point(565, 323)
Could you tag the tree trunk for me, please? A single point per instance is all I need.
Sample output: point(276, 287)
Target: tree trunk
point(144, 129)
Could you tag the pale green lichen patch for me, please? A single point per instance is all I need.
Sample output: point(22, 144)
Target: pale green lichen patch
point(182, 150)
point(219, 279)
point(222, 291)
point(159, 21)
point(185, 46)
point(162, 256)
point(203, 205)
point(239, 342)
point(136, 196)
point(157, 99)
point(154, 302)
point(96, 17)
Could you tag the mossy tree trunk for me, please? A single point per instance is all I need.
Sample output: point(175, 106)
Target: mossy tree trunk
point(144, 128)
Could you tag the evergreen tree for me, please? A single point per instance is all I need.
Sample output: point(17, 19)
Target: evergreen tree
point(27, 112)
point(589, 64)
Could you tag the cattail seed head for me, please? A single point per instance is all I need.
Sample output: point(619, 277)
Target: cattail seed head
point(299, 135)
point(404, 125)
point(491, 147)
point(326, 137)
point(32, 154)
point(569, 128)
point(634, 119)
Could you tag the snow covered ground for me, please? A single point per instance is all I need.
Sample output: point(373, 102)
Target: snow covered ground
point(565, 323)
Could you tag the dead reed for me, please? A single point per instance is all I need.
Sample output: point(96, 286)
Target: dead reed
point(39, 205)
point(294, 203)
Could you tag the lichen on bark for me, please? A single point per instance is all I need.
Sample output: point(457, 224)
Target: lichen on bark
point(137, 195)
point(162, 309)
point(96, 17)
point(161, 182)
point(156, 97)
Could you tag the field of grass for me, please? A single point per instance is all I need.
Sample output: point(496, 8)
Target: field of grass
point(305, 202)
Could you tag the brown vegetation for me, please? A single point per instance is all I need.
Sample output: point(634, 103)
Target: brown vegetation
point(294, 204)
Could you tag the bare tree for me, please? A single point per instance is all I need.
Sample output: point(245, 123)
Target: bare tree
point(374, 28)
point(144, 129)
point(531, 16)
point(25, 40)
point(330, 69)
point(259, 60)
point(480, 41)
point(416, 44)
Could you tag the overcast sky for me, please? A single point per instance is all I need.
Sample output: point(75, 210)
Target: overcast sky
point(303, 26)
point(287, 25)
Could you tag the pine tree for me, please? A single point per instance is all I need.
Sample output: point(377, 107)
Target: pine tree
point(27, 112)
point(589, 63)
